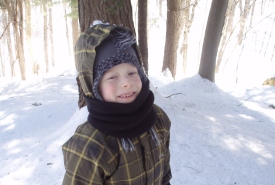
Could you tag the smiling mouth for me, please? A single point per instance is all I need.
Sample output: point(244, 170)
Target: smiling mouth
point(126, 95)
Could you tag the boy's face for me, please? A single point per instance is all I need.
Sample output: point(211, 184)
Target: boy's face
point(120, 84)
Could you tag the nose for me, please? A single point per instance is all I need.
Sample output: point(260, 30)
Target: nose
point(125, 81)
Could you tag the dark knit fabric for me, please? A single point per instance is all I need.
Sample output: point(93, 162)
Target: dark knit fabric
point(116, 49)
point(123, 120)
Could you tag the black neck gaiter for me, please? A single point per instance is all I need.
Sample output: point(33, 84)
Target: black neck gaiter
point(123, 120)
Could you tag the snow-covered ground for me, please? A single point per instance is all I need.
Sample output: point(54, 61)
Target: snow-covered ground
point(219, 134)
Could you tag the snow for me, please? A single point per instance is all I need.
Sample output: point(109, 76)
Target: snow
point(220, 134)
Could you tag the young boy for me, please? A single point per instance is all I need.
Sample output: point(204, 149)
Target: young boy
point(125, 140)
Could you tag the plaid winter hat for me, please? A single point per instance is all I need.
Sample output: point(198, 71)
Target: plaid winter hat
point(116, 49)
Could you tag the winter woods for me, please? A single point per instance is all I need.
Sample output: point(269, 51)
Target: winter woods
point(38, 36)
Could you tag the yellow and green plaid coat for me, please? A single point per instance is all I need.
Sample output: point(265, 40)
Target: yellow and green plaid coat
point(94, 158)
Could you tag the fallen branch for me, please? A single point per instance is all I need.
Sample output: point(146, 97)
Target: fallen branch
point(196, 171)
point(245, 100)
point(172, 95)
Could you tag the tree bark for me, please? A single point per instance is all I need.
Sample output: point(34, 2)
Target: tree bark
point(75, 30)
point(252, 13)
point(51, 32)
point(273, 54)
point(9, 44)
point(112, 11)
point(3, 70)
point(244, 15)
point(20, 21)
point(227, 32)
point(212, 37)
point(67, 30)
point(7, 25)
point(46, 49)
point(187, 23)
point(160, 8)
point(28, 17)
point(75, 25)
point(11, 54)
point(174, 26)
point(15, 14)
point(142, 32)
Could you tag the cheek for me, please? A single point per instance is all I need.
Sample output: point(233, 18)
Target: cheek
point(107, 89)
point(139, 83)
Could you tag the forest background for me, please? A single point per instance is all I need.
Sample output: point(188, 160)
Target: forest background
point(229, 135)
point(38, 37)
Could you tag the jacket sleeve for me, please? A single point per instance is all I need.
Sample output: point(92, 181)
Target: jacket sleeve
point(83, 161)
point(80, 171)
point(167, 175)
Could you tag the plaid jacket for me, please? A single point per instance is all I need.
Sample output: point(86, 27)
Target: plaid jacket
point(94, 158)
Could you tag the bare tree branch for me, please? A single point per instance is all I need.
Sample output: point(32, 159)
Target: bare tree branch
point(5, 29)
point(244, 35)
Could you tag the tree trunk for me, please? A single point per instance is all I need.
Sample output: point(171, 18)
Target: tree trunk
point(11, 53)
point(51, 32)
point(160, 8)
point(174, 26)
point(75, 25)
point(187, 21)
point(21, 43)
point(184, 50)
point(228, 30)
point(67, 30)
point(273, 54)
point(75, 30)
point(46, 37)
point(186, 27)
point(29, 34)
point(212, 37)
point(2, 64)
point(142, 32)
point(244, 15)
point(252, 13)
point(9, 45)
point(14, 11)
point(113, 12)
point(21, 21)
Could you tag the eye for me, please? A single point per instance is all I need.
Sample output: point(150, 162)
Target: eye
point(133, 73)
point(111, 78)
